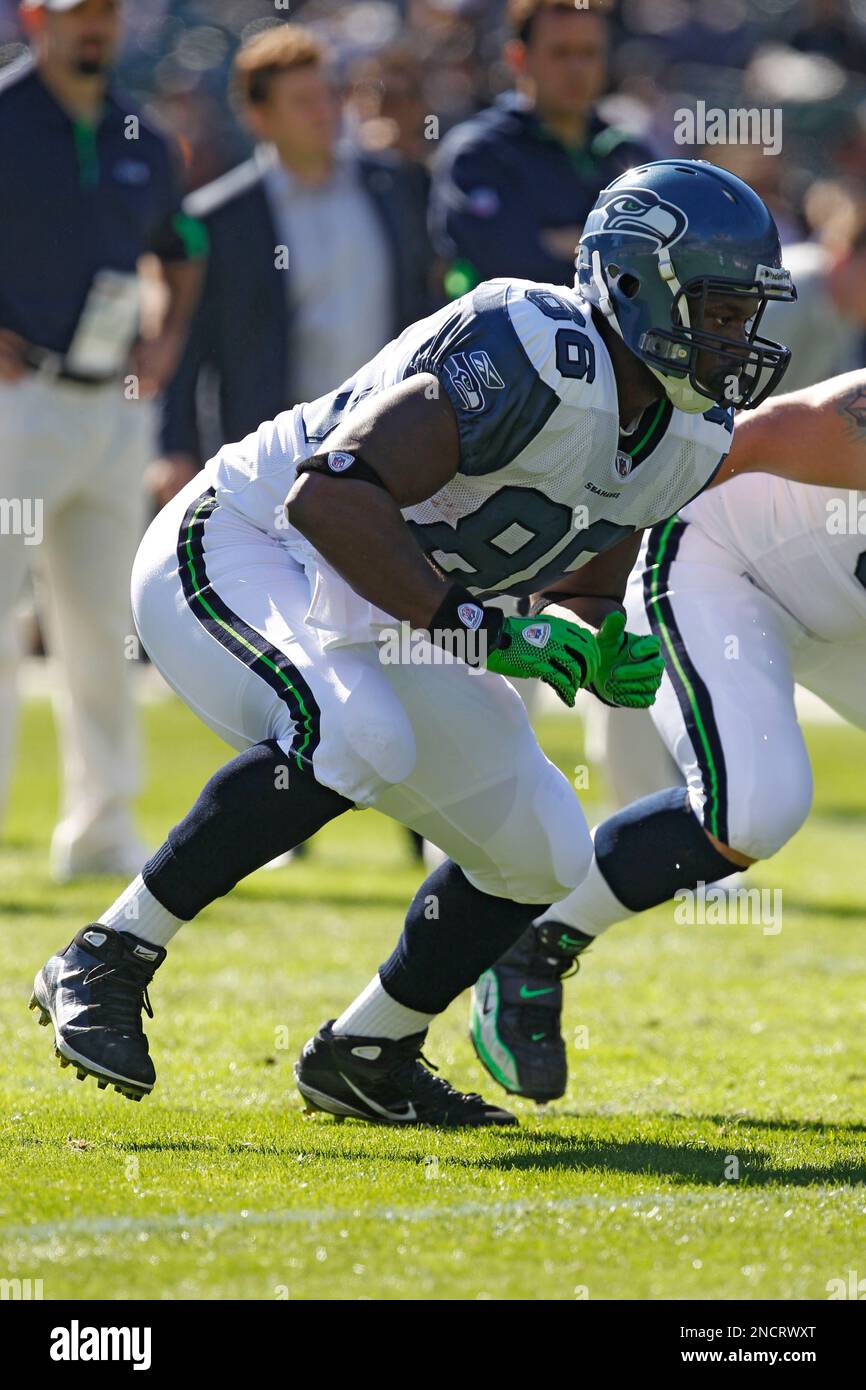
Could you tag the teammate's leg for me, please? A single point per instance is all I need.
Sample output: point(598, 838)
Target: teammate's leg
point(726, 713)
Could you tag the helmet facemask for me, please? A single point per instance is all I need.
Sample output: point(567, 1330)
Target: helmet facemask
point(695, 364)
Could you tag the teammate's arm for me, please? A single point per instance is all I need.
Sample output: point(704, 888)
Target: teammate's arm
point(817, 435)
point(597, 588)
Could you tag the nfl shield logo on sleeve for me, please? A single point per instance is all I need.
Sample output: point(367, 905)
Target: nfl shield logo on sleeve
point(338, 462)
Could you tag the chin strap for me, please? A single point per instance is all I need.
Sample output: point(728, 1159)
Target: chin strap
point(669, 275)
point(605, 303)
point(679, 390)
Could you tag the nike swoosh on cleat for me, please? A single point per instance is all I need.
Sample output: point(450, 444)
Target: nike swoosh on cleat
point(534, 993)
point(405, 1117)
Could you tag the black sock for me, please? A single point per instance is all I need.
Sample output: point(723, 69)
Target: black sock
point(256, 807)
point(655, 847)
point(453, 932)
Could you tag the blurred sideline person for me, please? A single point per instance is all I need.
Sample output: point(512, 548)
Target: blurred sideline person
point(90, 188)
point(318, 257)
point(385, 96)
point(827, 327)
point(513, 185)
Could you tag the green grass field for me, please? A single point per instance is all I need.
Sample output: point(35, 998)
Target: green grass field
point(711, 1051)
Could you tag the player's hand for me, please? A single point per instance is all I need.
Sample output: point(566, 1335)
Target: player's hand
point(562, 654)
point(154, 361)
point(630, 666)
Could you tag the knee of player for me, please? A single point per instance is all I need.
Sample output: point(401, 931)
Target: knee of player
point(769, 818)
point(557, 860)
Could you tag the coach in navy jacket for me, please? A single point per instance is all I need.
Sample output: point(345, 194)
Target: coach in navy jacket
point(513, 185)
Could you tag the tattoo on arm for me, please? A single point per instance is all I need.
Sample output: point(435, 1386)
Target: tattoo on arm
point(852, 408)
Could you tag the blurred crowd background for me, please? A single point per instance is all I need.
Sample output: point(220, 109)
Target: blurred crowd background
point(400, 60)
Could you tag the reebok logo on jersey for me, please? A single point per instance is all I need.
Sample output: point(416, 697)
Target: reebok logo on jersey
point(470, 615)
point(486, 371)
point(473, 373)
point(338, 462)
point(538, 635)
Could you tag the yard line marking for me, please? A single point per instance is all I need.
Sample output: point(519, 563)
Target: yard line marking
point(117, 1225)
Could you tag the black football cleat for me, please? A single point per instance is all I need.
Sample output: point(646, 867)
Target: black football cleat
point(385, 1081)
point(93, 992)
point(516, 1011)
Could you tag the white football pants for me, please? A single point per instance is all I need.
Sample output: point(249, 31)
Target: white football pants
point(220, 606)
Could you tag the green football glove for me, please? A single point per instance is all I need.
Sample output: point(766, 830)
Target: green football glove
point(630, 668)
point(562, 654)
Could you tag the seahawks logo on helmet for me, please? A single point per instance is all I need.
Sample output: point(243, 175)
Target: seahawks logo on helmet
point(638, 212)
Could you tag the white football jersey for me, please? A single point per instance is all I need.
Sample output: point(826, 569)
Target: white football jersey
point(803, 545)
point(544, 481)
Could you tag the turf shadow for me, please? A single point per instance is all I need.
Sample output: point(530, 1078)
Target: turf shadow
point(528, 1151)
point(812, 908)
point(815, 1127)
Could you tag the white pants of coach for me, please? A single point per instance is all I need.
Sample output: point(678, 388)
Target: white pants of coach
point(221, 609)
point(71, 464)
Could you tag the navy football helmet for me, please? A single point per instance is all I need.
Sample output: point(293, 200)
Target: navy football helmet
point(661, 241)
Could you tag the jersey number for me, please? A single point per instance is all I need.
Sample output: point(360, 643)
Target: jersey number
point(575, 354)
point(508, 534)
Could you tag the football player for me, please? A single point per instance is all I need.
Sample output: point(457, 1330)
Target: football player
point(753, 586)
point(522, 433)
